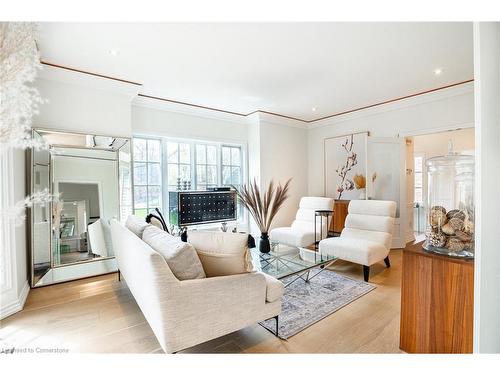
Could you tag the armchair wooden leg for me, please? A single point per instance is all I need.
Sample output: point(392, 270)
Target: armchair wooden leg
point(387, 261)
point(366, 272)
point(119, 276)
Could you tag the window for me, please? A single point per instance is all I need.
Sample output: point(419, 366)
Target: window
point(147, 175)
point(194, 164)
point(419, 181)
point(206, 166)
point(231, 165)
point(179, 164)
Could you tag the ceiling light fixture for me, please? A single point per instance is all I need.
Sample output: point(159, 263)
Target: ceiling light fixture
point(438, 71)
point(314, 109)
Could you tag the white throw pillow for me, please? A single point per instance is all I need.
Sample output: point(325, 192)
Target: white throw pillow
point(181, 257)
point(222, 253)
point(136, 225)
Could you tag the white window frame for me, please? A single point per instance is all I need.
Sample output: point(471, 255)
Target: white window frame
point(161, 162)
point(424, 177)
point(243, 219)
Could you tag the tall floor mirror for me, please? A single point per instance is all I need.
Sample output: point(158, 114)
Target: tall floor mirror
point(90, 176)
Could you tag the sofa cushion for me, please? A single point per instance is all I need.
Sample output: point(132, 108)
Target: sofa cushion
point(222, 253)
point(354, 250)
point(300, 237)
point(181, 257)
point(274, 288)
point(136, 225)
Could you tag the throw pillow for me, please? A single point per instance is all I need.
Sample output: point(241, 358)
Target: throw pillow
point(222, 253)
point(181, 257)
point(136, 225)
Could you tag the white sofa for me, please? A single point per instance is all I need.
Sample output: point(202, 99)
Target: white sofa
point(301, 233)
point(186, 313)
point(367, 235)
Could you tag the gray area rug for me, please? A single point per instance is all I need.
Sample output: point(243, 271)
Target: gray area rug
point(307, 303)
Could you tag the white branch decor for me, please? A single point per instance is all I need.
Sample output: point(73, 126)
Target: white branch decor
point(17, 212)
point(19, 63)
point(19, 101)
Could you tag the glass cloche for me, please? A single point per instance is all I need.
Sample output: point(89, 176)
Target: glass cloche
point(450, 205)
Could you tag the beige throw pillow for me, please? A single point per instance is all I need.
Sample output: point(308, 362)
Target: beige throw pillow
point(181, 257)
point(222, 253)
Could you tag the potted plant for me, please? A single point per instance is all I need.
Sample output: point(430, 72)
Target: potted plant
point(263, 207)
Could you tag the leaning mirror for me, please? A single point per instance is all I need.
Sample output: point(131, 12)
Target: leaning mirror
point(90, 177)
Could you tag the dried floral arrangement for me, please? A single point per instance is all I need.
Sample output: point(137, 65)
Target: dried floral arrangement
point(263, 206)
point(351, 161)
point(19, 101)
point(359, 181)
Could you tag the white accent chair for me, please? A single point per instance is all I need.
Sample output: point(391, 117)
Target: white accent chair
point(367, 235)
point(188, 312)
point(301, 233)
point(96, 239)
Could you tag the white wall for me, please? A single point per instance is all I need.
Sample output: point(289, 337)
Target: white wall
point(487, 262)
point(158, 122)
point(437, 144)
point(19, 194)
point(79, 108)
point(424, 113)
point(283, 155)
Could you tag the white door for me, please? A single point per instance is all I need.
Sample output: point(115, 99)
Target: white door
point(386, 179)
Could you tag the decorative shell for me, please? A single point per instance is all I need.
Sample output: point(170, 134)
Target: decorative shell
point(448, 229)
point(456, 214)
point(468, 227)
point(454, 244)
point(456, 223)
point(437, 216)
point(462, 236)
point(435, 238)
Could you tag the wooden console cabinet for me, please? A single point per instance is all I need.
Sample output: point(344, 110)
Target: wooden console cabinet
point(339, 214)
point(437, 301)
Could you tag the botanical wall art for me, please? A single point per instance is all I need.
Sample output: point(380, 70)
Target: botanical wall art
point(345, 158)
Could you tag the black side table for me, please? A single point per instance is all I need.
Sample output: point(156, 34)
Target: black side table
point(321, 214)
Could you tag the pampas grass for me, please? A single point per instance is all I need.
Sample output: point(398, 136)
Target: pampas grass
point(359, 181)
point(263, 207)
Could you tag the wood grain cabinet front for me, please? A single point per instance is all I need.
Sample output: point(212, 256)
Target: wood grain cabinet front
point(437, 302)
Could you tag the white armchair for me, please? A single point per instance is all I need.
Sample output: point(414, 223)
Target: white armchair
point(367, 235)
point(301, 233)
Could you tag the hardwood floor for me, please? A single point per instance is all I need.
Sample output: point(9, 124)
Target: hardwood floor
point(99, 315)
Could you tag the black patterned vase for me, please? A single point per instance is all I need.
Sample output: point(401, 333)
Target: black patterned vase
point(264, 244)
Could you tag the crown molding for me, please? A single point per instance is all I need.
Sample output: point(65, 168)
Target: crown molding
point(146, 101)
point(77, 76)
point(52, 72)
point(410, 101)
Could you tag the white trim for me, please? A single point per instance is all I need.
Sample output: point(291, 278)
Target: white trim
point(462, 89)
point(16, 305)
point(441, 129)
point(186, 110)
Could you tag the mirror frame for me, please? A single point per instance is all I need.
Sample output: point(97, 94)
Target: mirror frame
point(107, 264)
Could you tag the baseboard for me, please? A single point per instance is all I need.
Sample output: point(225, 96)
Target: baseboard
point(17, 305)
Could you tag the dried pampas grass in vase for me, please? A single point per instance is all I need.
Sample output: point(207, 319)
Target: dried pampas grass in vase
point(263, 206)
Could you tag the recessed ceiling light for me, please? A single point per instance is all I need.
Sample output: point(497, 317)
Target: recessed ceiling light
point(113, 52)
point(438, 71)
point(313, 109)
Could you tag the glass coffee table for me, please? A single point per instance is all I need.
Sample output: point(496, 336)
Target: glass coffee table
point(284, 260)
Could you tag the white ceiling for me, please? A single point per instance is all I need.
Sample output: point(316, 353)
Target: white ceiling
point(287, 68)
